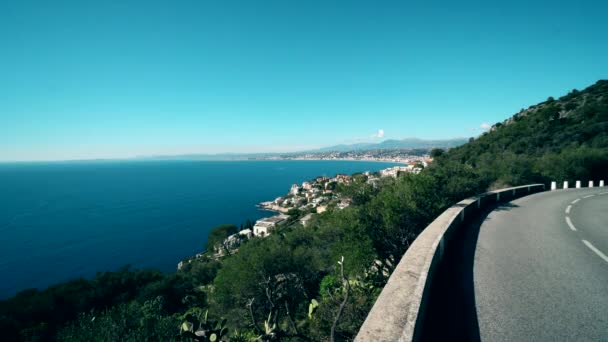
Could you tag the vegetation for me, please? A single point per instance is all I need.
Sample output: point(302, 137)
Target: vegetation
point(319, 282)
point(560, 140)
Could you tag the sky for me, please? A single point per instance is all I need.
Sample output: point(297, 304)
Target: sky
point(117, 79)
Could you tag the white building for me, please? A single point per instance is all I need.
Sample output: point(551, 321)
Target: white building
point(394, 171)
point(307, 186)
point(247, 232)
point(295, 189)
point(263, 227)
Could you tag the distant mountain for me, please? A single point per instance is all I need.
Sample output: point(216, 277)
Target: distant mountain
point(409, 143)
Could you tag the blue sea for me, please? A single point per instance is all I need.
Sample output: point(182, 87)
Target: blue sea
point(60, 221)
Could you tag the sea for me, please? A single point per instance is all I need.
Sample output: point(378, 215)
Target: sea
point(64, 220)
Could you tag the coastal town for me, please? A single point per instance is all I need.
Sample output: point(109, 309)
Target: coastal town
point(310, 198)
point(401, 156)
point(317, 195)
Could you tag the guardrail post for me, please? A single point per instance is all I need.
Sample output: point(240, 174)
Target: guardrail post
point(578, 184)
point(591, 184)
point(601, 184)
point(553, 186)
point(566, 185)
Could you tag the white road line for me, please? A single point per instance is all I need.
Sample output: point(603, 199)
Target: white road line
point(576, 200)
point(603, 193)
point(588, 196)
point(570, 224)
point(568, 209)
point(595, 250)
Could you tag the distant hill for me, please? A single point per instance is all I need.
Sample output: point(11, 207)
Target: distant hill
point(409, 143)
point(558, 139)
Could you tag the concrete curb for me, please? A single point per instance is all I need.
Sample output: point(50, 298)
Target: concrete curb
point(399, 311)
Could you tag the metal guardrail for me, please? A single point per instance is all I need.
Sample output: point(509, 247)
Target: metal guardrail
point(399, 311)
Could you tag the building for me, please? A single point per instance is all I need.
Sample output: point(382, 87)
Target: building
point(307, 186)
point(394, 171)
point(295, 189)
point(246, 232)
point(263, 227)
point(343, 179)
point(321, 209)
point(317, 200)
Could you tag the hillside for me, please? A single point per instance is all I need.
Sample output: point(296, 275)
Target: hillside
point(558, 139)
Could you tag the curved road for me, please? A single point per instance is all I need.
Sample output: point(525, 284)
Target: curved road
point(541, 271)
point(534, 269)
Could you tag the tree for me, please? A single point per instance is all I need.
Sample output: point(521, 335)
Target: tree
point(437, 152)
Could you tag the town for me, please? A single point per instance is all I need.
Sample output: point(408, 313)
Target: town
point(304, 201)
point(401, 156)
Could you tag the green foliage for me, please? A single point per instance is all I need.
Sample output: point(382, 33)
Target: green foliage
point(125, 322)
point(294, 212)
point(562, 139)
point(436, 152)
point(201, 270)
point(38, 314)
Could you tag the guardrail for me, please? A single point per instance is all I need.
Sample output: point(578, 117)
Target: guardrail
point(577, 186)
point(399, 311)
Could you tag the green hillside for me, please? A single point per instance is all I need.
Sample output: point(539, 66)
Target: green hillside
point(559, 139)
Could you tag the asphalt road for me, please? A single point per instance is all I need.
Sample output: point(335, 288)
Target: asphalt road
point(534, 269)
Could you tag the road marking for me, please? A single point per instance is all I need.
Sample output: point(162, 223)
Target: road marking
point(576, 200)
point(603, 193)
point(595, 250)
point(568, 209)
point(570, 224)
point(588, 196)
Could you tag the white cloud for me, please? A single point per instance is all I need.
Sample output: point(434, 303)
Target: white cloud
point(485, 126)
point(379, 134)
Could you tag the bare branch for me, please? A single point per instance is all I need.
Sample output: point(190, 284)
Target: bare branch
point(293, 325)
point(343, 304)
point(255, 325)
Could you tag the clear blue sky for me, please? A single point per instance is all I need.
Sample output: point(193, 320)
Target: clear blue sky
point(99, 79)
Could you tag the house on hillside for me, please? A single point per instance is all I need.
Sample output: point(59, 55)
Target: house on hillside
point(307, 186)
point(295, 189)
point(263, 227)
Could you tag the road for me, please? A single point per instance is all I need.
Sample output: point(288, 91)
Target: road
point(534, 269)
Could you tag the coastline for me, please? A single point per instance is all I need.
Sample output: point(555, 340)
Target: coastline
point(196, 198)
point(341, 159)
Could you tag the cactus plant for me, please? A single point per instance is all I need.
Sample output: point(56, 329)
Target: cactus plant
point(198, 327)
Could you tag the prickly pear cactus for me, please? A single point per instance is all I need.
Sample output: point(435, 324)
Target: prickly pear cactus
point(196, 326)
